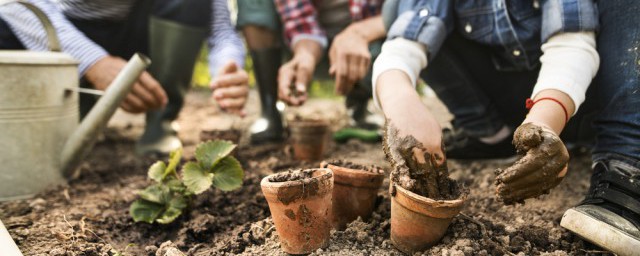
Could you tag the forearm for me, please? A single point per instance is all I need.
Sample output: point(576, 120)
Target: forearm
point(400, 54)
point(394, 87)
point(569, 62)
point(308, 48)
point(550, 113)
point(402, 105)
point(371, 29)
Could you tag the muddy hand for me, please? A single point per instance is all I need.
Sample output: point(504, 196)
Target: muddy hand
point(414, 167)
point(542, 167)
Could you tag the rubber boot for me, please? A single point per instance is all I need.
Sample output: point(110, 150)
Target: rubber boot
point(174, 49)
point(360, 117)
point(268, 128)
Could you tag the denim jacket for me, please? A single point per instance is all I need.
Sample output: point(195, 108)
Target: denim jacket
point(514, 29)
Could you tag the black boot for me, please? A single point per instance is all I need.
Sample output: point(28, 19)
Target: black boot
point(268, 128)
point(174, 49)
point(359, 116)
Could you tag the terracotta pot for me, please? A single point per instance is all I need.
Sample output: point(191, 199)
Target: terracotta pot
point(301, 210)
point(308, 139)
point(355, 190)
point(417, 222)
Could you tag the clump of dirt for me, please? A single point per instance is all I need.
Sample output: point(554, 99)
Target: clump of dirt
point(354, 166)
point(292, 175)
point(417, 170)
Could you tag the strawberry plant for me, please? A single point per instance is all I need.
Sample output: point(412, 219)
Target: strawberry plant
point(168, 197)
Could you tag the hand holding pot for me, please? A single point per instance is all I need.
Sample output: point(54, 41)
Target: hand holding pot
point(231, 88)
point(542, 167)
point(146, 94)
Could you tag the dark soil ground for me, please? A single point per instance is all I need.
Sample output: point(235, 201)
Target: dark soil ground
point(90, 216)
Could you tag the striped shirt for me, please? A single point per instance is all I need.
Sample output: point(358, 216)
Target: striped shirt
point(224, 43)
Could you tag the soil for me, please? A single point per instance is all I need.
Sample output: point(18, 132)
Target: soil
point(354, 166)
point(416, 169)
point(90, 215)
point(292, 175)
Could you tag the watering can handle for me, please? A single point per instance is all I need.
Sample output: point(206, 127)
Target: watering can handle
point(52, 37)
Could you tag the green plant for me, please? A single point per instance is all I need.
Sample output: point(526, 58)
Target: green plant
point(168, 197)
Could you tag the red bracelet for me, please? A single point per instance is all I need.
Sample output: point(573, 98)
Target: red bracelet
point(529, 104)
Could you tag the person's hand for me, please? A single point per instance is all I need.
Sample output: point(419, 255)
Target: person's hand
point(231, 88)
point(413, 137)
point(294, 77)
point(146, 94)
point(350, 60)
point(542, 167)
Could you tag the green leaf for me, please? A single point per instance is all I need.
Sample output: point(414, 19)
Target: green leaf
point(143, 210)
point(195, 178)
point(155, 193)
point(228, 174)
point(174, 210)
point(175, 185)
point(156, 171)
point(210, 153)
point(174, 160)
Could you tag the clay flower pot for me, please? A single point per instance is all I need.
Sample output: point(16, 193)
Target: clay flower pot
point(355, 190)
point(300, 205)
point(417, 222)
point(308, 139)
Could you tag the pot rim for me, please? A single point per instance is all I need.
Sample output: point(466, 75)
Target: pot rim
point(326, 173)
point(355, 177)
point(428, 206)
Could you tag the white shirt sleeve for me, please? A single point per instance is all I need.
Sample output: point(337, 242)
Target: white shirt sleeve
point(28, 29)
point(569, 63)
point(401, 54)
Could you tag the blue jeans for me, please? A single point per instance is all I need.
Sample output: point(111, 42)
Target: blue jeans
point(617, 85)
point(484, 98)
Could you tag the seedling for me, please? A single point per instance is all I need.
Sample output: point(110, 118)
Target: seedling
point(169, 196)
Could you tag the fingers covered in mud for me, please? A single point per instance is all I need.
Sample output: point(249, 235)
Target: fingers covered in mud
point(542, 167)
point(414, 168)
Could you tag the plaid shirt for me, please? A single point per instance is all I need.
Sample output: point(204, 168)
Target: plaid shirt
point(300, 21)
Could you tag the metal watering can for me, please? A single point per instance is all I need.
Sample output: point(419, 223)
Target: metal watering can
point(41, 139)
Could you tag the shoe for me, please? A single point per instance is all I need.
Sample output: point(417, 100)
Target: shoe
point(610, 215)
point(460, 145)
point(173, 70)
point(357, 103)
point(268, 128)
point(160, 142)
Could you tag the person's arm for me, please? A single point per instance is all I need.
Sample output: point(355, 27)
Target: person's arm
point(349, 53)
point(224, 43)
point(569, 63)
point(230, 81)
point(96, 65)
point(307, 41)
point(295, 75)
point(29, 31)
